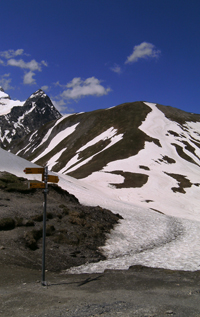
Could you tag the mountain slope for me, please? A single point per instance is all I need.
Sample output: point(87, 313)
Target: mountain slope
point(80, 137)
point(146, 152)
point(143, 236)
point(17, 119)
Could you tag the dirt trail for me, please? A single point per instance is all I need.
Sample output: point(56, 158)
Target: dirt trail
point(138, 292)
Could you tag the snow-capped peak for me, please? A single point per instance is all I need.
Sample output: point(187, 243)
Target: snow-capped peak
point(17, 118)
point(38, 93)
point(6, 104)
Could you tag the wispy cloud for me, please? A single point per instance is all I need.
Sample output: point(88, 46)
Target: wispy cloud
point(143, 50)
point(32, 65)
point(45, 88)
point(57, 84)
point(61, 106)
point(28, 78)
point(79, 88)
point(116, 69)
point(11, 53)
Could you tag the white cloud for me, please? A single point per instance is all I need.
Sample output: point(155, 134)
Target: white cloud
point(61, 106)
point(143, 50)
point(32, 65)
point(5, 82)
point(28, 78)
point(58, 84)
point(79, 88)
point(11, 53)
point(45, 88)
point(29, 68)
point(44, 63)
point(116, 69)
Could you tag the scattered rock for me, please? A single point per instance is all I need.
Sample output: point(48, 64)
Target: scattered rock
point(169, 312)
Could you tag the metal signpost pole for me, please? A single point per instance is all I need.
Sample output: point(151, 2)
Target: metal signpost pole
point(46, 178)
point(44, 223)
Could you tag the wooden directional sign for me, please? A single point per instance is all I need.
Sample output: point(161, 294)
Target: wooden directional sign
point(34, 170)
point(37, 185)
point(41, 170)
point(51, 178)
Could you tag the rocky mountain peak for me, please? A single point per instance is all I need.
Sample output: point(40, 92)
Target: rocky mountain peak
point(38, 94)
point(36, 111)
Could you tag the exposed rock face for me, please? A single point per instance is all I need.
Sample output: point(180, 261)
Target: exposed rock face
point(36, 111)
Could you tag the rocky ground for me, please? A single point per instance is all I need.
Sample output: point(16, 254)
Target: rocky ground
point(74, 235)
point(139, 291)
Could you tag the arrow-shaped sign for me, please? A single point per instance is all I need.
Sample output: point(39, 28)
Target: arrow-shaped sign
point(37, 185)
point(51, 178)
point(40, 170)
point(34, 170)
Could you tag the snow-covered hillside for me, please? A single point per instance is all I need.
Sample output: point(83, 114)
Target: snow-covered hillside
point(141, 160)
point(134, 152)
point(173, 185)
point(144, 236)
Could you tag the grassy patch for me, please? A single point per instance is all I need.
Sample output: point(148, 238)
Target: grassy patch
point(31, 238)
point(167, 159)
point(12, 183)
point(183, 155)
point(189, 148)
point(183, 182)
point(131, 179)
point(144, 167)
point(178, 115)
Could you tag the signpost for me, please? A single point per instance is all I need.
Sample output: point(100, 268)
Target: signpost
point(45, 178)
point(51, 178)
point(34, 170)
point(36, 185)
point(44, 223)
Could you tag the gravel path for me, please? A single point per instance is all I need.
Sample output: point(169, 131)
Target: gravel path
point(138, 291)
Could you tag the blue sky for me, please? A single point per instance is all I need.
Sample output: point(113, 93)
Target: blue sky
point(92, 54)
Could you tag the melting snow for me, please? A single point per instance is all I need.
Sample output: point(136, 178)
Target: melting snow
point(56, 140)
point(109, 134)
